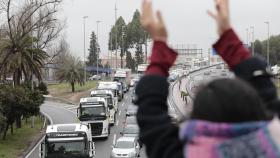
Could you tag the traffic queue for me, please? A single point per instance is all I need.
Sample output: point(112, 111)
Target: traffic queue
point(96, 115)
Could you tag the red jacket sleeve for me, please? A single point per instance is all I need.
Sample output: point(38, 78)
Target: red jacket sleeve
point(161, 60)
point(231, 49)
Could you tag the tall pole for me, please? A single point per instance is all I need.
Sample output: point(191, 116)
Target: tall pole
point(253, 40)
point(98, 49)
point(116, 34)
point(111, 50)
point(268, 44)
point(85, 71)
point(122, 49)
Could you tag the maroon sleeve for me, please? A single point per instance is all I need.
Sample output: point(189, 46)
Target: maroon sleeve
point(161, 60)
point(231, 49)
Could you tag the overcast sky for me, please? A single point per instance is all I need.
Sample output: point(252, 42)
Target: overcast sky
point(186, 20)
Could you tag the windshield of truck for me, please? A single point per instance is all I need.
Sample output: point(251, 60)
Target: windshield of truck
point(70, 149)
point(124, 144)
point(92, 111)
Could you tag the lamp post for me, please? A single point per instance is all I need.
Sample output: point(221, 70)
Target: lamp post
point(116, 34)
point(98, 49)
point(268, 44)
point(85, 71)
point(253, 40)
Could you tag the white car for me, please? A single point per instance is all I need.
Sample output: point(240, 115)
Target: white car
point(95, 77)
point(126, 147)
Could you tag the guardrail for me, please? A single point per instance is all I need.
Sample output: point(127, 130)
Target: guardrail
point(171, 101)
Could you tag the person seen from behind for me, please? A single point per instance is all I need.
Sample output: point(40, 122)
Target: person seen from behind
point(230, 117)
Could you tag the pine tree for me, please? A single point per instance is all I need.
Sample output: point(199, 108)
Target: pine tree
point(93, 50)
point(130, 62)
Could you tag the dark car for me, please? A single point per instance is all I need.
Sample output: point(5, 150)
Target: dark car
point(131, 110)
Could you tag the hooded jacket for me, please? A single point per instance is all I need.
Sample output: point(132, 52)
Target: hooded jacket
point(161, 137)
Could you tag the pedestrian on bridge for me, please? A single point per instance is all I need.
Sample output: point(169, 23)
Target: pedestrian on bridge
point(231, 117)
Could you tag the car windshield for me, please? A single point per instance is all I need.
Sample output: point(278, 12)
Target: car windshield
point(66, 148)
point(93, 111)
point(124, 144)
point(132, 129)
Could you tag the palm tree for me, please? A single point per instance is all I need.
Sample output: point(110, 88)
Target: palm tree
point(22, 61)
point(71, 71)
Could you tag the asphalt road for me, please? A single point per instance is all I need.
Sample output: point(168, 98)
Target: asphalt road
point(63, 113)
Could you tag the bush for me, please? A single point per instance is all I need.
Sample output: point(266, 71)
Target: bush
point(43, 88)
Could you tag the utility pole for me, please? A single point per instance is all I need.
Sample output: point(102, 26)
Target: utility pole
point(98, 49)
point(122, 49)
point(253, 40)
point(268, 44)
point(116, 34)
point(85, 71)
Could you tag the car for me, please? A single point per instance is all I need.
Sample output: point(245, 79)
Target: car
point(133, 96)
point(133, 81)
point(131, 110)
point(206, 73)
point(130, 131)
point(126, 147)
point(95, 77)
point(131, 120)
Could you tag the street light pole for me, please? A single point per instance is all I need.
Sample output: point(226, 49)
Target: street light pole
point(268, 44)
point(253, 40)
point(116, 33)
point(247, 37)
point(85, 71)
point(98, 49)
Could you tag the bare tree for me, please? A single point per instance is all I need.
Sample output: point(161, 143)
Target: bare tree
point(34, 18)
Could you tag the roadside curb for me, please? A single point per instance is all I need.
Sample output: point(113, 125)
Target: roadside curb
point(59, 100)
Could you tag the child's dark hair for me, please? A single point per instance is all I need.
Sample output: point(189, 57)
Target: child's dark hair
point(230, 101)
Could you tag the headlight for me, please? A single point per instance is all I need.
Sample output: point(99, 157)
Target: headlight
point(131, 154)
point(113, 154)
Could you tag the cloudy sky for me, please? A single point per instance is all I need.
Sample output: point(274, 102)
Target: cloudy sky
point(186, 20)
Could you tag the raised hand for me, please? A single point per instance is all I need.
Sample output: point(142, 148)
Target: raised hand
point(222, 17)
point(154, 25)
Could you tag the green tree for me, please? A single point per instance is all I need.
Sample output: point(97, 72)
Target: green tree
point(130, 62)
point(94, 49)
point(118, 34)
point(139, 56)
point(274, 49)
point(71, 71)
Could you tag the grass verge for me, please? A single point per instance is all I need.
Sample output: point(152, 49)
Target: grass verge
point(16, 144)
point(66, 88)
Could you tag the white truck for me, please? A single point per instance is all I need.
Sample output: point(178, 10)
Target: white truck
point(67, 140)
point(142, 68)
point(114, 87)
point(124, 76)
point(95, 112)
point(112, 103)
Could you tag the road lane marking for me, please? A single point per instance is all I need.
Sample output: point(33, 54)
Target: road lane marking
point(117, 123)
point(122, 104)
point(48, 116)
point(61, 108)
point(73, 108)
point(69, 106)
point(120, 113)
point(114, 140)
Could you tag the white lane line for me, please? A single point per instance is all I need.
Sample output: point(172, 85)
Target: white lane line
point(69, 106)
point(122, 104)
point(48, 116)
point(117, 123)
point(120, 113)
point(61, 108)
point(114, 140)
point(73, 108)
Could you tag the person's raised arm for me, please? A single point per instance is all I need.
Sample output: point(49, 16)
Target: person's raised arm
point(157, 132)
point(251, 69)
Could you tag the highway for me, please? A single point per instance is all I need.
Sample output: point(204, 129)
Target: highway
point(60, 113)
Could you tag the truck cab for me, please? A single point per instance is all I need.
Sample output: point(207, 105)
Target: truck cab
point(67, 140)
point(114, 87)
point(95, 112)
point(112, 104)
